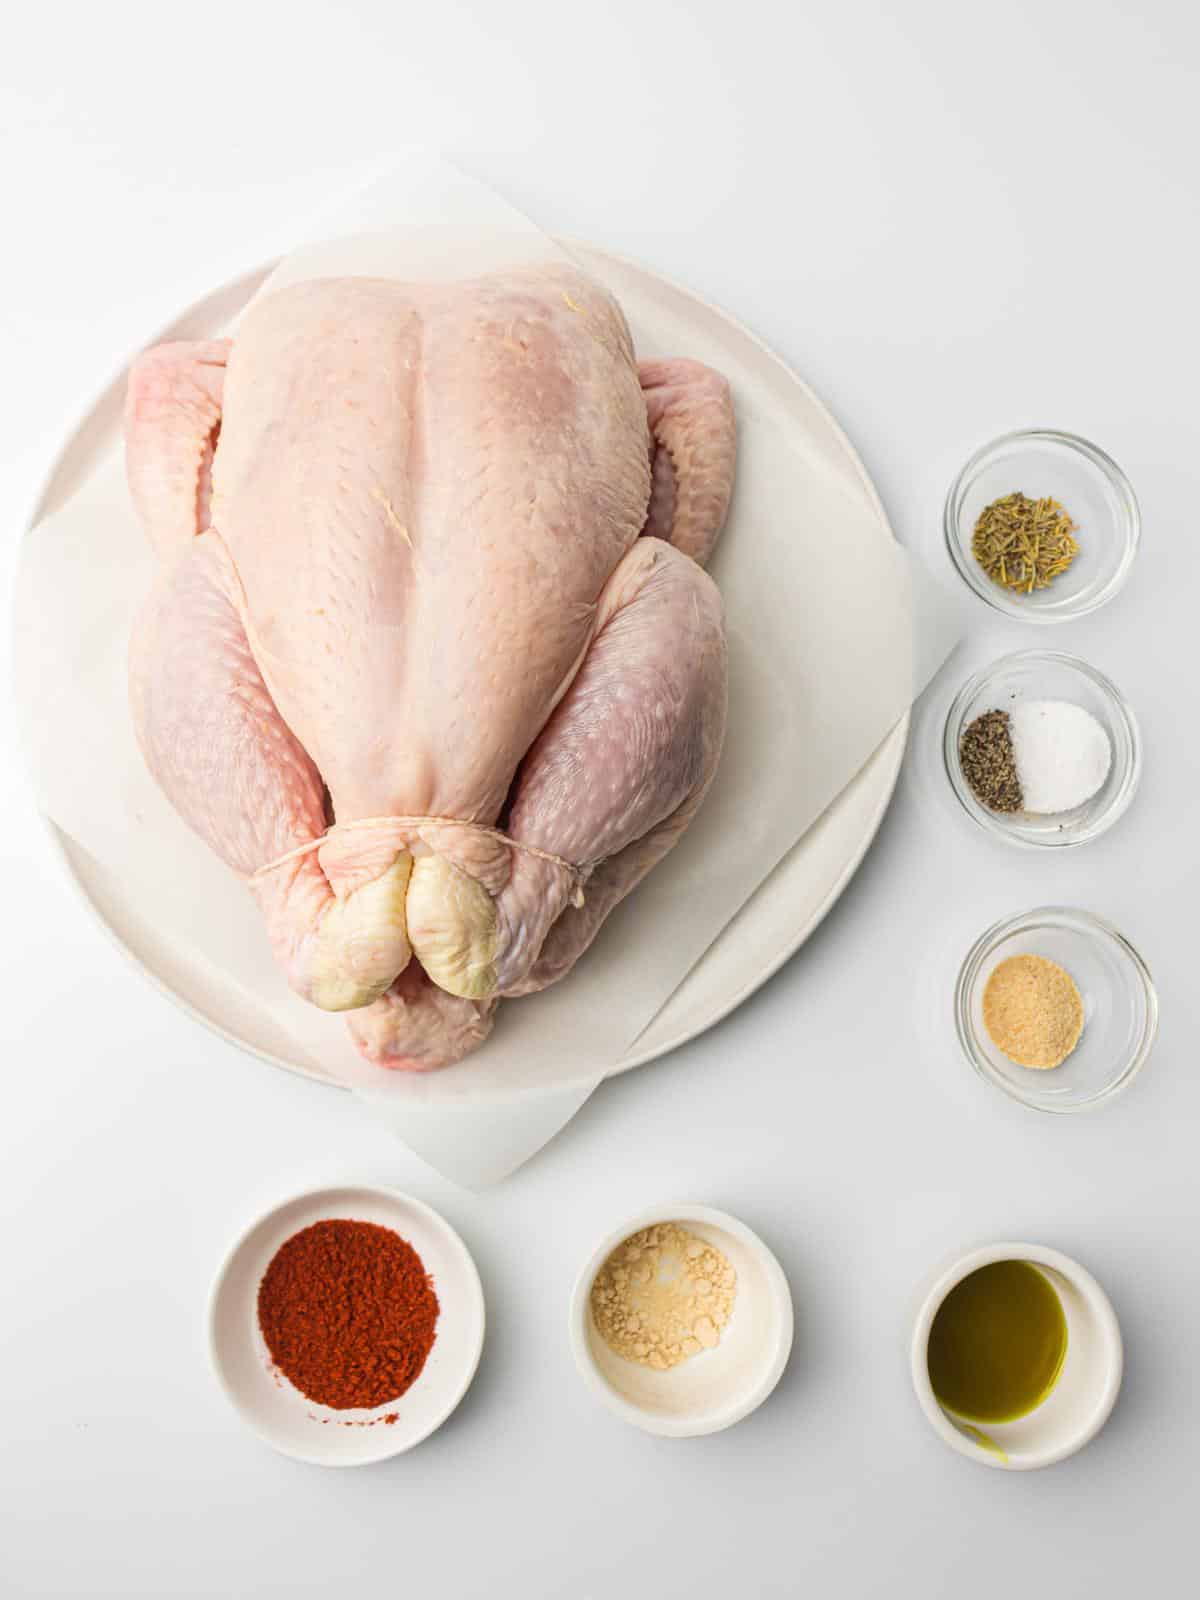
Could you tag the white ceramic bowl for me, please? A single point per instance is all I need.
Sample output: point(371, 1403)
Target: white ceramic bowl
point(283, 1416)
point(719, 1387)
point(1082, 1399)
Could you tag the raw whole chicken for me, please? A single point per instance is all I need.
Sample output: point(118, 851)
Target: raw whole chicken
point(431, 659)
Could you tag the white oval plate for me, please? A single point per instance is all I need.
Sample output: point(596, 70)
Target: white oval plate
point(283, 1416)
point(788, 905)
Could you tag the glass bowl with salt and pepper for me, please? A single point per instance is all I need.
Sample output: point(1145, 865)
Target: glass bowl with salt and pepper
point(1041, 749)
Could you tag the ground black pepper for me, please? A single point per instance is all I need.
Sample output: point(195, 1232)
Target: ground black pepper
point(985, 753)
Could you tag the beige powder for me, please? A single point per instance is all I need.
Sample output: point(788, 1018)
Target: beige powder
point(1032, 1010)
point(662, 1296)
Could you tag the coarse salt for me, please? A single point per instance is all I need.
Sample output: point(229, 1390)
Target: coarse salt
point(1062, 754)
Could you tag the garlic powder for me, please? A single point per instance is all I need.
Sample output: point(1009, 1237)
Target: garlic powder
point(663, 1295)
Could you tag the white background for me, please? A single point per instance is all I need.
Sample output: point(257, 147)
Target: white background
point(953, 220)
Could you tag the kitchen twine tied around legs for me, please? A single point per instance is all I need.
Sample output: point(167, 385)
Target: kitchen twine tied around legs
point(576, 874)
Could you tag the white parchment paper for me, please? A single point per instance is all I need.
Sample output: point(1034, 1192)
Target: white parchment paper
point(820, 672)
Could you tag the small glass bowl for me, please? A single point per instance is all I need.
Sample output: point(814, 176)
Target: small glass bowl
point(1120, 1008)
point(1047, 675)
point(1088, 484)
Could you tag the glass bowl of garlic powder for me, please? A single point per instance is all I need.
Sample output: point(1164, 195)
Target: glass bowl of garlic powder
point(1056, 1008)
point(1042, 750)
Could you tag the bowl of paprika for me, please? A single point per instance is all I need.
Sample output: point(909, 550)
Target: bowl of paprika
point(346, 1324)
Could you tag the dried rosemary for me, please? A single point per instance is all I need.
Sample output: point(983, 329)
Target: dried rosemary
point(1024, 544)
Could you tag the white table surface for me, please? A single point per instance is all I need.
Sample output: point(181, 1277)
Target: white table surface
point(953, 220)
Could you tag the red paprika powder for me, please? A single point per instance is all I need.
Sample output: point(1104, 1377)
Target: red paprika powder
point(348, 1313)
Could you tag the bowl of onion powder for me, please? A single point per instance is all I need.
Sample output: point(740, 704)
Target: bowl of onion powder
point(1042, 750)
point(681, 1321)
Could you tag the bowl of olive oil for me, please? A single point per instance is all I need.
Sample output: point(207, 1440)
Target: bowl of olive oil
point(1016, 1355)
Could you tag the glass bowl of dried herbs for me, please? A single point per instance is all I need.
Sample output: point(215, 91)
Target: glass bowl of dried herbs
point(1042, 525)
point(1042, 749)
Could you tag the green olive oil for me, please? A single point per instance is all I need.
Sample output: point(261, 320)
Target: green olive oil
point(997, 1343)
